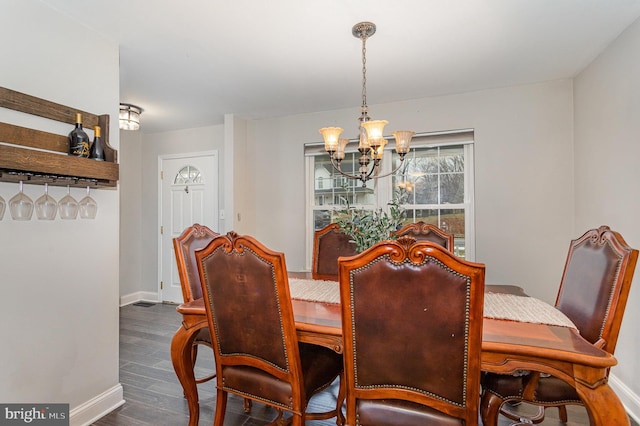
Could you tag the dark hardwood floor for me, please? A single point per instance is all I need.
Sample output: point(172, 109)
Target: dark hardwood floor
point(154, 396)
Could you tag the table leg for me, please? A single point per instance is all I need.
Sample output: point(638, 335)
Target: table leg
point(181, 347)
point(603, 405)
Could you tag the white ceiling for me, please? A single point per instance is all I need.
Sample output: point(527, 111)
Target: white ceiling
point(189, 62)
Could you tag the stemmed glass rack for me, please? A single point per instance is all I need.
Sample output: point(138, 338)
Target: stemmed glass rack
point(21, 206)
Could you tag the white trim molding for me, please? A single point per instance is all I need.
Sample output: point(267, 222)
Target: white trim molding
point(139, 296)
point(87, 413)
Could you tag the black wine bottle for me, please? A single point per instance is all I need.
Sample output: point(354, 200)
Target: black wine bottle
point(78, 140)
point(97, 148)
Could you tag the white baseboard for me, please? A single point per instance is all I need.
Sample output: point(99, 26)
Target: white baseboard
point(146, 296)
point(97, 407)
point(630, 400)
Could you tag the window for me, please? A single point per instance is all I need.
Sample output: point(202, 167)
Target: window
point(435, 184)
point(187, 175)
point(432, 184)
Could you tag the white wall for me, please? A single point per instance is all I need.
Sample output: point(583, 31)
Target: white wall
point(523, 175)
point(59, 279)
point(239, 195)
point(131, 214)
point(607, 154)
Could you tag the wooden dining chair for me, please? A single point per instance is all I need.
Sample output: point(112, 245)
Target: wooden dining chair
point(250, 316)
point(193, 238)
point(329, 243)
point(422, 231)
point(412, 325)
point(593, 294)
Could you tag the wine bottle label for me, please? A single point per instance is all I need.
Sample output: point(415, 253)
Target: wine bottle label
point(80, 149)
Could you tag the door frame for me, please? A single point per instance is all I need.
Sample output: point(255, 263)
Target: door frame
point(161, 158)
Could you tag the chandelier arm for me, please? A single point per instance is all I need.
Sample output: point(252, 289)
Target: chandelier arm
point(364, 177)
point(337, 168)
point(389, 173)
point(367, 176)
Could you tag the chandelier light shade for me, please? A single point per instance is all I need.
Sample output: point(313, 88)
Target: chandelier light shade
point(331, 135)
point(129, 118)
point(403, 140)
point(375, 133)
point(371, 140)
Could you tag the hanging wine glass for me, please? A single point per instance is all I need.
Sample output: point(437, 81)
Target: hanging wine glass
point(68, 206)
point(21, 206)
point(88, 207)
point(46, 206)
point(2, 207)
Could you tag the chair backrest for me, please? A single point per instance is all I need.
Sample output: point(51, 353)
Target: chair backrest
point(412, 316)
point(422, 231)
point(193, 238)
point(595, 285)
point(329, 243)
point(247, 299)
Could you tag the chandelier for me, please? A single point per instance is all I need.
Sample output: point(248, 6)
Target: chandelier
point(371, 141)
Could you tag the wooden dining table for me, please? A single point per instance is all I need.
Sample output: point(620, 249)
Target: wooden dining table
point(507, 347)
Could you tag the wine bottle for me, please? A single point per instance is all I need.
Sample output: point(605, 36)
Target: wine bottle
point(78, 140)
point(97, 148)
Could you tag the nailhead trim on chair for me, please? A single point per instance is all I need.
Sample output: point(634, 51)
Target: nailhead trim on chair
point(266, 400)
point(426, 259)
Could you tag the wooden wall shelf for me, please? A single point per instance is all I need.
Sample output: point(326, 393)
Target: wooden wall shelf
point(39, 157)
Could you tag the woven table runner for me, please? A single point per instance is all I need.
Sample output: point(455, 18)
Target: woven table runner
point(523, 309)
point(496, 305)
point(314, 290)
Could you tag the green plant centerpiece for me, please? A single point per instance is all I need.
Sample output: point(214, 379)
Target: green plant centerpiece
point(368, 227)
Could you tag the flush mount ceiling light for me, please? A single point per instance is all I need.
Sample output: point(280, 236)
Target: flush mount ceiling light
point(371, 140)
point(129, 118)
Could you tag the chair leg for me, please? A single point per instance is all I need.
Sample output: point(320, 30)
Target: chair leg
point(221, 407)
point(562, 413)
point(490, 408)
point(340, 420)
point(247, 405)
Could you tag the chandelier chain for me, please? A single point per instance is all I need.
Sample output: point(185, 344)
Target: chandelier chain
point(364, 74)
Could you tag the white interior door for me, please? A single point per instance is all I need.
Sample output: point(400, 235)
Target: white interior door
point(189, 194)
